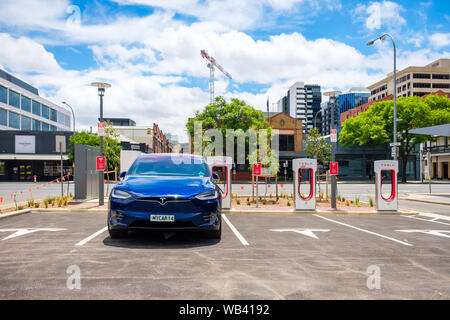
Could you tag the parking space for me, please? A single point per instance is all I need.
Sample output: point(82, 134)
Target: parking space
point(260, 256)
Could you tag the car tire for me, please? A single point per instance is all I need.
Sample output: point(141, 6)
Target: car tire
point(117, 234)
point(215, 234)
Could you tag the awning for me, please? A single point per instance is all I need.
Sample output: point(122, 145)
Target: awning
point(442, 130)
point(18, 156)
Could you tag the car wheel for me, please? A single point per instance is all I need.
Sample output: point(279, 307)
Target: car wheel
point(215, 234)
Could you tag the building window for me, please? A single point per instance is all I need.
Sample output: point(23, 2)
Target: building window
point(14, 120)
point(45, 112)
point(45, 126)
point(36, 125)
point(421, 85)
point(2, 168)
point(26, 123)
point(441, 85)
point(53, 115)
point(14, 99)
point(286, 142)
point(26, 104)
point(52, 128)
point(3, 117)
point(36, 108)
point(441, 76)
point(3, 94)
point(421, 76)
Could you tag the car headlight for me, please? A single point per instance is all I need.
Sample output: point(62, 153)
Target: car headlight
point(208, 195)
point(119, 194)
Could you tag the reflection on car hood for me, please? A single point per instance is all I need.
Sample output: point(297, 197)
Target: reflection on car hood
point(155, 186)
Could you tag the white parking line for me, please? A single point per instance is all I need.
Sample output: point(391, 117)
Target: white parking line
point(426, 220)
point(364, 230)
point(435, 215)
point(92, 236)
point(237, 234)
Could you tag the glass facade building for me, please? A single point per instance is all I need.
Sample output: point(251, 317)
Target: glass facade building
point(348, 101)
point(22, 108)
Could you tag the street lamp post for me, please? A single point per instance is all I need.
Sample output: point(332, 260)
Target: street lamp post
point(382, 38)
point(101, 92)
point(73, 114)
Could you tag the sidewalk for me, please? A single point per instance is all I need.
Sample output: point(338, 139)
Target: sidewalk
point(437, 198)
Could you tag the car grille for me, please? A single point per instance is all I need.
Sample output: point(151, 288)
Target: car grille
point(169, 206)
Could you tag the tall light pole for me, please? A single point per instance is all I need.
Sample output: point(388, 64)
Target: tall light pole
point(73, 114)
point(101, 92)
point(394, 144)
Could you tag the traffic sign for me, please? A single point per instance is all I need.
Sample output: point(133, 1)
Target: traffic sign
point(333, 135)
point(101, 163)
point(334, 168)
point(257, 168)
point(101, 129)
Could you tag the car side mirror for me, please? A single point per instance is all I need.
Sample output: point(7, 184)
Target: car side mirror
point(122, 174)
point(215, 177)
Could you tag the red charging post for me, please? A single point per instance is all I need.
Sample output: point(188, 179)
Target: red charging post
point(257, 173)
point(101, 163)
point(334, 168)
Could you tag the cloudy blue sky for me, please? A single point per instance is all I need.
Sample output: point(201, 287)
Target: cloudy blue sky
point(149, 50)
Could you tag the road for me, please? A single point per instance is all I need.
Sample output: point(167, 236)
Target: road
point(284, 256)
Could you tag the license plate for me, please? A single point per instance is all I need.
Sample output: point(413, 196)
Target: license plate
point(162, 218)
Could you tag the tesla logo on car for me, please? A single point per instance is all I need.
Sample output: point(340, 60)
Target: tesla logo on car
point(163, 200)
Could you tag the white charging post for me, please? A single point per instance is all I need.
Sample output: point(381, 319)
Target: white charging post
point(226, 163)
point(304, 183)
point(386, 187)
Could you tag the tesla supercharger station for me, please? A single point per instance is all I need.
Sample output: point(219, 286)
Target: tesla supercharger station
point(386, 190)
point(304, 183)
point(225, 164)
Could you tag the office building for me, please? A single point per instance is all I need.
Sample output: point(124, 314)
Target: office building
point(302, 101)
point(352, 98)
point(31, 130)
point(21, 108)
point(414, 81)
point(147, 139)
point(327, 113)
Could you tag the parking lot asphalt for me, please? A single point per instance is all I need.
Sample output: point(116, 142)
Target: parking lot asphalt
point(289, 256)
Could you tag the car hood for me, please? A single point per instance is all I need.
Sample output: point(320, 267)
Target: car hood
point(157, 186)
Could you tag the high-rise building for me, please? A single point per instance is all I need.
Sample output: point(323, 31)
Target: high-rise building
point(352, 98)
point(302, 101)
point(327, 111)
point(414, 81)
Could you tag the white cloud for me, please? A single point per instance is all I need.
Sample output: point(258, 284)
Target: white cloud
point(378, 14)
point(25, 55)
point(440, 40)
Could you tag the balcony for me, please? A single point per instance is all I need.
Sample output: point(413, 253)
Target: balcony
point(437, 149)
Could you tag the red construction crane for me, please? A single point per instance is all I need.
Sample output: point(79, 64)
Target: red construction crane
point(212, 62)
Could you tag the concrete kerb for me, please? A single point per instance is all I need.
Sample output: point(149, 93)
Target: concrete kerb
point(425, 201)
point(14, 213)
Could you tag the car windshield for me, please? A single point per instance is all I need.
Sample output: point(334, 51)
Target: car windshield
point(165, 167)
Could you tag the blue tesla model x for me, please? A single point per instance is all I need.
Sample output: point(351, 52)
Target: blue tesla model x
point(166, 191)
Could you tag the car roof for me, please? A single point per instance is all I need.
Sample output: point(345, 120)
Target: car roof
point(167, 156)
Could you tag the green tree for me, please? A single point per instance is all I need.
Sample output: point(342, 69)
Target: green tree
point(82, 137)
point(316, 146)
point(375, 126)
point(111, 145)
point(233, 115)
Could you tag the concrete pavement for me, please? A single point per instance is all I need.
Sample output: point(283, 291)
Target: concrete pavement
point(288, 257)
